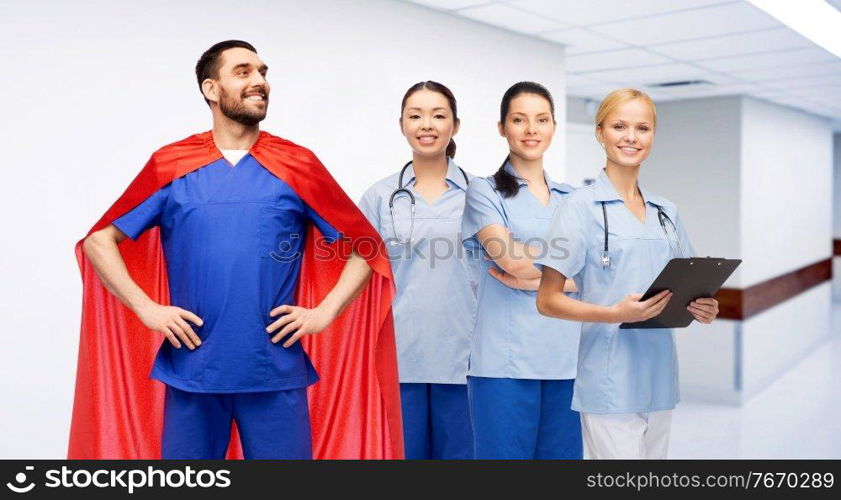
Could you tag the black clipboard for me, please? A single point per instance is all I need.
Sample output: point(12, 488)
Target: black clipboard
point(688, 279)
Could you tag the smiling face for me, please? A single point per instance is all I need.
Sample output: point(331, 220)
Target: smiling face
point(241, 89)
point(427, 123)
point(528, 126)
point(627, 133)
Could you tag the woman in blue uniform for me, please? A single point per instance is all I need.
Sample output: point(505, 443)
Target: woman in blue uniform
point(522, 364)
point(418, 210)
point(616, 238)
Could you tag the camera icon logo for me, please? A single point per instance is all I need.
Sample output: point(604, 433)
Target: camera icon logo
point(20, 478)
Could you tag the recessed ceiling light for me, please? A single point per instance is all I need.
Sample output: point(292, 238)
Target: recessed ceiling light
point(682, 83)
point(817, 20)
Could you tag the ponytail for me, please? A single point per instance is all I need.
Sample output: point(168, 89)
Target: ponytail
point(506, 184)
point(451, 149)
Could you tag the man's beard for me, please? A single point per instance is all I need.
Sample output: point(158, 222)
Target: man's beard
point(237, 111)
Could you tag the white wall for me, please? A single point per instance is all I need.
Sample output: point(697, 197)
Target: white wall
point(786, 201)
point(836, 264)
point(786, 205)
point(585, 158)
point(836, 155)
point(695, 164)
point(581, 110)
point(91, 88)
point(775, 339)
point(752, 180)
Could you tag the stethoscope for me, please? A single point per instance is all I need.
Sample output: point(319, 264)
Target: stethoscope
point(660, 215)
point(400, 189)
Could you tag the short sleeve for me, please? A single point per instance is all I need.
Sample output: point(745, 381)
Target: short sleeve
point(144, 216)
point(482, 208)
point(329, 232)
point(683, 237)
point(370, 207)
point(566, 240)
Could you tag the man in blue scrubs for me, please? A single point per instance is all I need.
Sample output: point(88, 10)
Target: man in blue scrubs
point(232, 236)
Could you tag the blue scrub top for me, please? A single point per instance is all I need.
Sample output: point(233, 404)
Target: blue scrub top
point(619, 371)
point(435, 279)
point(232, 238)
point(511, 339)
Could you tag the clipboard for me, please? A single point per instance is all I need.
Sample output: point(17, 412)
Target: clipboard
point(688, 279)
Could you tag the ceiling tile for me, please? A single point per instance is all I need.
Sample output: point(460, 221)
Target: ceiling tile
point(762, 94)
point(592, 91)
point(511, 18)
point(451, 4)
point(786, 58)
point(650, 74)
point(734, 45)
point(613, 59)
point(818, 93)
point(709, 90)
point(690, 24)
point(580, 81)
point(721, 79)
point(588, 12)
point(824, 109)
point(832, 68)
point(788, 101)
point(580, 41)
point(812, 81)
point(810, 106)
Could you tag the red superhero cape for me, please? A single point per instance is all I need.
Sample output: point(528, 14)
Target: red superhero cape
point(354, 408)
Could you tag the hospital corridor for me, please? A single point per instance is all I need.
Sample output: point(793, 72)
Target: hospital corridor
point(645, 135)
point(796, 416)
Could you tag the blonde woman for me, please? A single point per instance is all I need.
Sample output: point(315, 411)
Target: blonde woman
point(617, 237)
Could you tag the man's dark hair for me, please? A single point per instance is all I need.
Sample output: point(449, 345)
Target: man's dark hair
point(208, 65)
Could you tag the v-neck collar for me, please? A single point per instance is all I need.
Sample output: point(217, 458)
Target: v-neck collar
point(604, 191)
point(233, 165)
point(453, 175)
point(560, 187)
point(210, 144)
point(552, 185)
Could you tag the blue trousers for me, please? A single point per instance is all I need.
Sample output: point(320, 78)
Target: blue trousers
point(272, 425)
point(436, 421)
point(524, 419)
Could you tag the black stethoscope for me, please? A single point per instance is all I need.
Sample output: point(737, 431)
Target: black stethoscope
point(661, 215)
point(400, 189)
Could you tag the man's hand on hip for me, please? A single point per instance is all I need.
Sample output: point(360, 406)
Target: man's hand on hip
point(300, 320)
point(171, 321)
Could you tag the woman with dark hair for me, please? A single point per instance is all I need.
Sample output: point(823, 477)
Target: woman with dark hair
point(522, 364)
point(418, 212)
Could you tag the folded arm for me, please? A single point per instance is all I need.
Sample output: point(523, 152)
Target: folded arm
point(511, 256)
